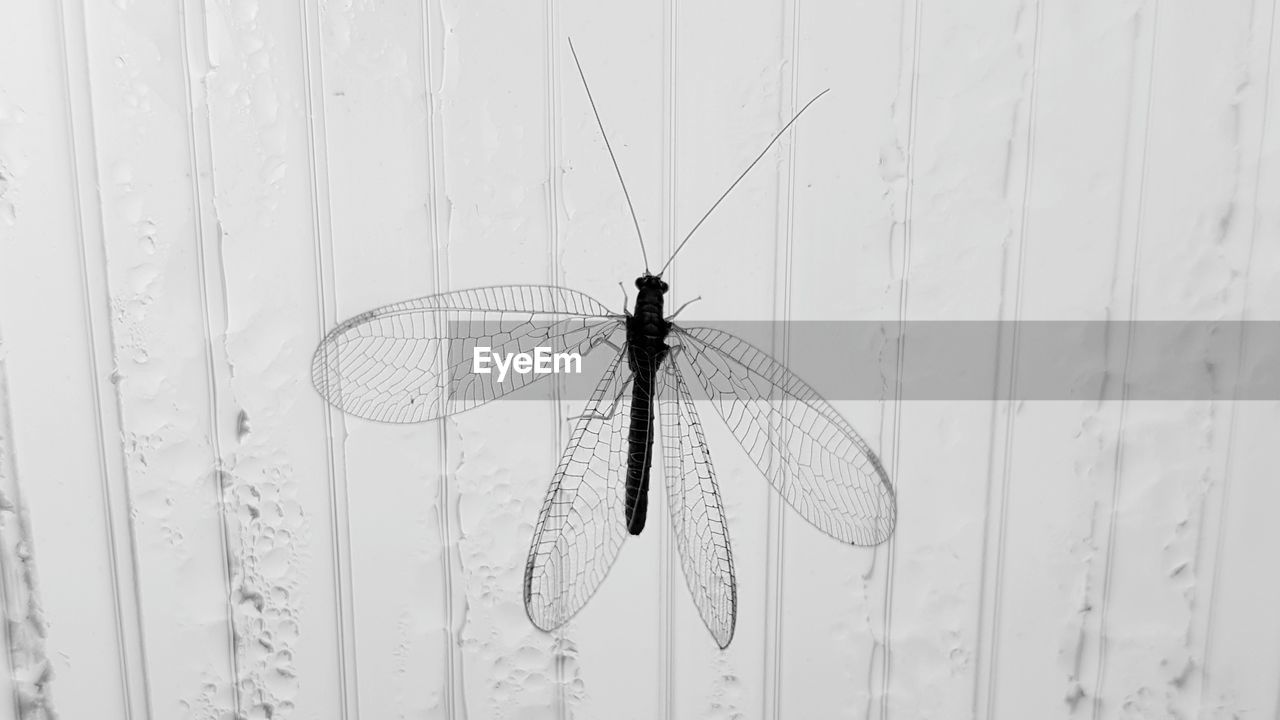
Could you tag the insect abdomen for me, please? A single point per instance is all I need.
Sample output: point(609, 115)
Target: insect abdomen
point(640, 442)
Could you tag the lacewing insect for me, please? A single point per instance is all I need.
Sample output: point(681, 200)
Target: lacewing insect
point(410, 362)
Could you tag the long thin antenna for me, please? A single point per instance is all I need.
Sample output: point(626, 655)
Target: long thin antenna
point(744, 174)
point(609, 147)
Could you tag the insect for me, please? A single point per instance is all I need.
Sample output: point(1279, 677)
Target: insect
point(411, 362)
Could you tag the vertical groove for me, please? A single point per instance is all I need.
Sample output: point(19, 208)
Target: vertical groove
point(211, 382)
point(24, 624)
point(444, 507)
point(130, 643)
point(670, 65)
point(1117, 480)
point(1241, 347)
point(896, 432)
point(667, 583)
point(11, 493)
point(667, 561)
point(326, 306)
point(454, 706)
point(777, 510)
point(1006, 469)
point(554, 195)
point(670, 10)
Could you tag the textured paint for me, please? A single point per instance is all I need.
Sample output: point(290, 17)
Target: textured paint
point(29, 671)
point(191, 193)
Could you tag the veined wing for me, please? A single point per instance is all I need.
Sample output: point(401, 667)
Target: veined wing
point(582, 525)
point(697, 518)
point(810, 454)
point(412, 361)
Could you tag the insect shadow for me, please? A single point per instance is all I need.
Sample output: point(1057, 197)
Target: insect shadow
point(412, 362)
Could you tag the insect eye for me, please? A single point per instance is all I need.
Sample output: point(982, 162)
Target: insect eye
point(639, 283)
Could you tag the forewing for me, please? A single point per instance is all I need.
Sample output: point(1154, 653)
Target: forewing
point(582, 525)
point(810, 454)
point(412, 361)
point(697, 517)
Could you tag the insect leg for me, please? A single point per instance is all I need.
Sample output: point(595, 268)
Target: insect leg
point(604, 340)
point(625, 301)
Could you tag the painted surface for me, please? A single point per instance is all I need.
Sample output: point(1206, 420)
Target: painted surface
point(192, 192)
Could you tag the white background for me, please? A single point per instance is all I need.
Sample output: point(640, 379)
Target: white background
point(191, 192)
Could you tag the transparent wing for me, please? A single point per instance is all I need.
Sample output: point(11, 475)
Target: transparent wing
point(697, 519)
point(581, 526)
point(810, 454)
point(412, 361)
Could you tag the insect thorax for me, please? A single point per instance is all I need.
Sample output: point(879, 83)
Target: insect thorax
point(647, 327)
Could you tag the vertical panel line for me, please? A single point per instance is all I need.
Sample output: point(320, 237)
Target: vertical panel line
point(917, 23)
point(211, 382)
point(334, 423)
point(554, 196)
point(783, 257)
point(454, 702)
point(666, 579)
point(1010, 423)
point(1241, 348)
point(130, 646)
point(1117, 479)
point(665, 522)
point(21, 591)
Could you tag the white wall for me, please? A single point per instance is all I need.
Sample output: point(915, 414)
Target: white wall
point(192, 192)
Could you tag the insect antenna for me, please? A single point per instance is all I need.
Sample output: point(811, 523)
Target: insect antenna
point(759, 157)
point(609, 147)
